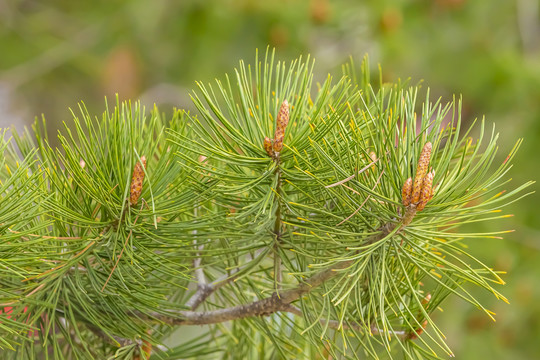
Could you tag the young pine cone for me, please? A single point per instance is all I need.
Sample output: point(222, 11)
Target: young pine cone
point(421, 191)
point(137, 181)
point(421, 170)
point(406, 192)
point(281, 124)
point(268, 146)
point(426, 194)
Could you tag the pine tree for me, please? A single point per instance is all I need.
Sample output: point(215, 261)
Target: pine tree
point(293, 220)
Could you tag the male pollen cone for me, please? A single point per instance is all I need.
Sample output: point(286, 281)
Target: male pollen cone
point(426, 191)
point(421, 170)
point(137, 181)
point(268, 145)
point(406, 192)
point(281, 124)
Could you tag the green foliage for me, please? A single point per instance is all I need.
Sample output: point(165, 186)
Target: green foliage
point(89, 276)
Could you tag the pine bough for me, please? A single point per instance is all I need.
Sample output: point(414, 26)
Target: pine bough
point(293, 220)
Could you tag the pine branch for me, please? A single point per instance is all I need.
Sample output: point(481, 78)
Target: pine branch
point(225, 200)
point(282, 121)
point(278, 301)
point(264, 307)
point(204, 290)
point(277, 228)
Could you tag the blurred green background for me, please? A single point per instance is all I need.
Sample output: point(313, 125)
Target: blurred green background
point(56, 53)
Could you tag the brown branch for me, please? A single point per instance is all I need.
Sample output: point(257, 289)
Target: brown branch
point(206, 289)
point(264, 307)
point(203, 289)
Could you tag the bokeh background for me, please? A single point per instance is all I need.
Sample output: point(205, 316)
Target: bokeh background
point(56, 53)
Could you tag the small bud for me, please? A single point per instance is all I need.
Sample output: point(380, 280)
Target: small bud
point(281, 124)
point(406, 192)
point(426, 299)
point(137, 181)
point(419, 331)
point(426, 192)
point(421, 170)
point(268, 146)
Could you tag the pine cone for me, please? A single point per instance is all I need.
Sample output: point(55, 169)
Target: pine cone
point(406, 192)
point(268, 146)
point(421, 170)
point(281, 124)
point(137, 181)
point(426, 191)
